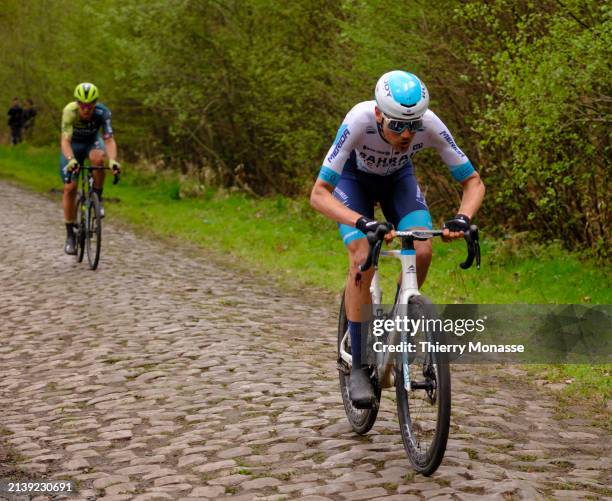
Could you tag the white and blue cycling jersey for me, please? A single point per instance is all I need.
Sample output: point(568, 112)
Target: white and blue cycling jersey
point(360, 133)
point(364, 169)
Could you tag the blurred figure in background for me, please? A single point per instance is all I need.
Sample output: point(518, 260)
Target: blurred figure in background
point(29, 114)
point(15, 121)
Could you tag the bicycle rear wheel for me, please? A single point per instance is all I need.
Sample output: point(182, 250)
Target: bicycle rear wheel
point(80, 228)
point(424, 409)
point(361, 420)
point(94, 231)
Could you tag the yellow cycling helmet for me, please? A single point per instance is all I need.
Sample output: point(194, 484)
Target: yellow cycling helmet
point(86, 92)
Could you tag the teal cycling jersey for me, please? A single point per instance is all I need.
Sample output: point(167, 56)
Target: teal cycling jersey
point(85, 131)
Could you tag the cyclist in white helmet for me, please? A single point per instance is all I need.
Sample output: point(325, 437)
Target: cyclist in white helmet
point(370, 161)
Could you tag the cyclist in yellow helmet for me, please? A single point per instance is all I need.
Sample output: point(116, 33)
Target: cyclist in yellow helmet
point(81, 123)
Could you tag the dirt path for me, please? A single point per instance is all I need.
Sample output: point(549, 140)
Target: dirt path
point(163, 376)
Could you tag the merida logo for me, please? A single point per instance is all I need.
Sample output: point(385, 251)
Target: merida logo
point(341, 141)
point(449, 140)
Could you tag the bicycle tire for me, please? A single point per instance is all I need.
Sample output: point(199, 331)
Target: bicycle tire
point(94, 231)
point(414, 427)
point(361, 420)
point(80, 229)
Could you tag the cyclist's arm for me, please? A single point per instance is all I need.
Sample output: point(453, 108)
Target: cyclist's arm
point(473, 195)
point(68, 116)
point(322, 200)
point(321, 197)
point(66, 147)
point(107, 133)
point(459, 166)
point(471, 200)
point(111, 147)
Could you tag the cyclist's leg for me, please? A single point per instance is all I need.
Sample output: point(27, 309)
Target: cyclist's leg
point(70, 187)
point(96, 152)
point(353, 192)
point(69, 195)
point(358, 282)
point(406, 208)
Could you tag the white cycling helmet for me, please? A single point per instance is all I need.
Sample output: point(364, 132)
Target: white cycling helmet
point(401, 95)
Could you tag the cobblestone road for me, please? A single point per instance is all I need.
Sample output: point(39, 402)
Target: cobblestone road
point(165, 376)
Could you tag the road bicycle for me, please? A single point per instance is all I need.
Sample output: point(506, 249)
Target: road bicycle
point(88, 231)
point(422, 380)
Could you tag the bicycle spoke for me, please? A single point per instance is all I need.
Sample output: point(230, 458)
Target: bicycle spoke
point(424, 410)
point(94, 231)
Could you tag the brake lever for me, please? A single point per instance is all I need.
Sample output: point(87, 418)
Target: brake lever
point(375, 239)
point(473, 245)
point(374, 251)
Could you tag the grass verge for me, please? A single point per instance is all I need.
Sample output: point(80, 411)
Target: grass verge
point(10, 460)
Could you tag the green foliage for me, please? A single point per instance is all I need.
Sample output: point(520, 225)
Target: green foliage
point(242, 88)
point(45, 53)
point(249, 94)
point(546, 121)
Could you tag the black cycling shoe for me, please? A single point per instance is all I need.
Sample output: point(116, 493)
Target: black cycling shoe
point(361, 390)
point(70, 246)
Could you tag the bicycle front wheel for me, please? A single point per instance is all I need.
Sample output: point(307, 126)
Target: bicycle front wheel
point(361, 420)
point(94, 231)
point(424, 408)
point(80, 230)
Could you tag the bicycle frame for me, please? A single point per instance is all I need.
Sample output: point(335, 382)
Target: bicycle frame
point(409, 287)
point(85, 177)
point(86, 181)
point(89, 201)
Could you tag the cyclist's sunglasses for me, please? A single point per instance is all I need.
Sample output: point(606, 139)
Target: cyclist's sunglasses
point(399, 126)
point(87, 106)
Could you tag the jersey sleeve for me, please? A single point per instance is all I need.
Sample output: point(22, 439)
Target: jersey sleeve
point(340, 150)
point(458, 163)
point(68, 117)
point(107, 128)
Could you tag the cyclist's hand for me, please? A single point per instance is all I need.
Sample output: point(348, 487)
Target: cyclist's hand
point(115, 166)
point(71, 166)
point(455, 228)
point(366, 225)
point(389, 237)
